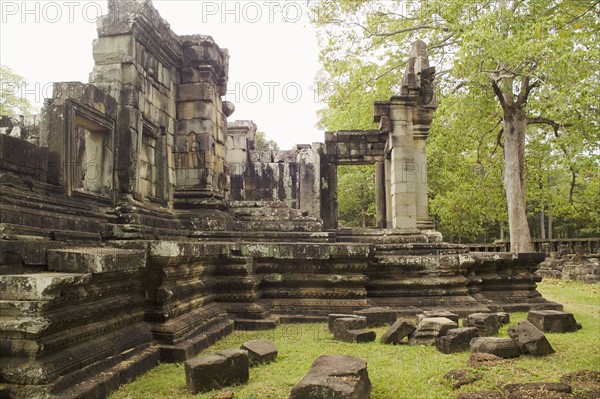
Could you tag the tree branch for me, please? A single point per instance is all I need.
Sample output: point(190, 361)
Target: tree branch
point(500, 95)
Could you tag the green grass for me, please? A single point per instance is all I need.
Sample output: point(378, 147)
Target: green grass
point(396, 371)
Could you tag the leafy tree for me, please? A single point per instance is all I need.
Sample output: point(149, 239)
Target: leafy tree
point(11, 103)
point(262, 144)
point(510, 68)
point(356, 195)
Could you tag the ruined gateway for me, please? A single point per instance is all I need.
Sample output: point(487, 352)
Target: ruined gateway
point(144, 226)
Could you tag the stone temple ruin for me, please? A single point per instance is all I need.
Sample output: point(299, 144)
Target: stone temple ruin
point(144, 226)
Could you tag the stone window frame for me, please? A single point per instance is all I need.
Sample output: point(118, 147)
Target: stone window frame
point(89, 118)
point(159, 134)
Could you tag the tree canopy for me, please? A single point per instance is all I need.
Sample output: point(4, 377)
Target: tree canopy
point(12, 103)
point(518, 86)
point(261, 143)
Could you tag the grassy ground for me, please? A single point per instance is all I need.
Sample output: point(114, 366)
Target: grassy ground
point(396, 372)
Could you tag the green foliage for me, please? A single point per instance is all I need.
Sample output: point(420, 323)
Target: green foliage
point(261, 143)
point(11, 85)
point(399, 371)
point(356, 196)
point(545, 51)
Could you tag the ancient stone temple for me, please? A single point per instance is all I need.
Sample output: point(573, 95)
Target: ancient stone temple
point(143, 226)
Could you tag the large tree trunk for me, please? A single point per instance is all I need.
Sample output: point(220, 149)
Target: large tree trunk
point(515, 125)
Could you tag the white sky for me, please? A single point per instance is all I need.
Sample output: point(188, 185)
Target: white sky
point(273, 49)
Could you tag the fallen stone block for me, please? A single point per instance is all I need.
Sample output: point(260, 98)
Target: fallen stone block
point(333, 316)
point(398, 331)
point(534, 390)
point(438, 313)
point(334, 376)
point(530, 339)
point(553, 321)
point(378, 316)
point(351, 329)
point(429, 329)
point(260, 351)
point(486, 323)
point(501, 347)
point(503, 318)
point(456, 340)
point(217, 370)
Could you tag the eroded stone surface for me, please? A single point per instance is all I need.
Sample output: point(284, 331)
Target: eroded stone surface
point(487, 324)
point(456, 340)
point(260, 351)
point(377, 316)
point(530, 339)
point(398, 331)
point(217, 370)
point(501, 347)
point(334, 376)
point(429, 329)
point(553, 321)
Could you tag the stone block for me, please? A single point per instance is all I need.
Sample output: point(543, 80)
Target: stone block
point(260, 351)
point(95, 260)
point(333, 316)
point(486, 323)
point(456, 340)
point(351, 329)
point(501, 347)
point(113, 49)
point(217, 370)
point(503, 318)
point(438, 313)
point(334, 376)
point(429, 329)
point(398, 331)
point(553, 321)
point(530, 339)
point(378, 316)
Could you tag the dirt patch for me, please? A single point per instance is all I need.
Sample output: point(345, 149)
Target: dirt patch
point(585, 383)
point(462, 377)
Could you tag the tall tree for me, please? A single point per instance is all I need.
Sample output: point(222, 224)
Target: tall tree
point(532, 62)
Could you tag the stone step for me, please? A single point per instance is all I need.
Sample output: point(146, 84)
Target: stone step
point(187, 349)
point(277, 225)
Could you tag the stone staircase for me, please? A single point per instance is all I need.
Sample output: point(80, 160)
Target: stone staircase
point(81, 319)
point(257, 216)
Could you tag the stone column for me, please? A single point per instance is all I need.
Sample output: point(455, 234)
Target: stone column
point(388, 190)
point(403, 188)
point(201, 132)
point(380, 200)
point(424, 222)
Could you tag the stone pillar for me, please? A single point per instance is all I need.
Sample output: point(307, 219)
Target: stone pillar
point(201, 132)
point(239, 135)
point(380, 201)
point(309, 180)
point(424, 222)
point(403, 188)
point(388, 190)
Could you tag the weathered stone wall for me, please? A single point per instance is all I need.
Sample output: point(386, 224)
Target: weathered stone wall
point(291, 177)
point(135, 60)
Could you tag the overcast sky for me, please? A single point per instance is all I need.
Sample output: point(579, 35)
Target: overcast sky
point(273, 49)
